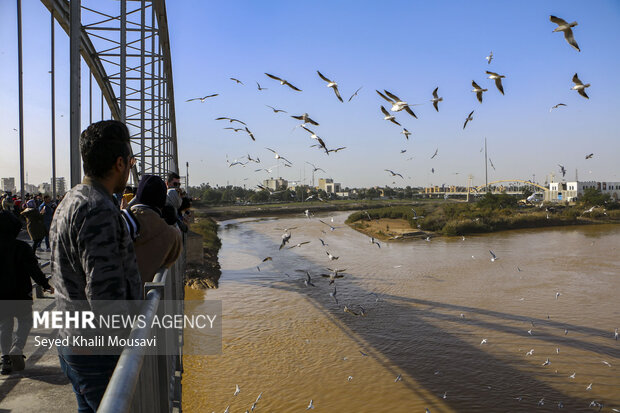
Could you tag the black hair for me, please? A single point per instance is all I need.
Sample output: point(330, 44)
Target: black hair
point(173, 175)
point(186, 203)
point(101, 144)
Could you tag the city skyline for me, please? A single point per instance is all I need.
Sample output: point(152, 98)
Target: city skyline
point(408, 49)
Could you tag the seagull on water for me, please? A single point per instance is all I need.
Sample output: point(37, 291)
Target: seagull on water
point(397, 103)
point(565, 27)
point(436, 99)
point(469, 117)
point(579, 86)
point(237, 390)
point(389, 117)
point(478, 90)
point(202, 99)
point(283, 82)
point(493, 256)
point(332, 84)
point(498, 80)
point(556, 106)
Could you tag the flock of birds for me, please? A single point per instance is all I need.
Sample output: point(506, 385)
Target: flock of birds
point(396, 105)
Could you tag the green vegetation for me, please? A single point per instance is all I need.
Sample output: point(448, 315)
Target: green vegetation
point(491, 213)
point(594, 197)
point(207, 227)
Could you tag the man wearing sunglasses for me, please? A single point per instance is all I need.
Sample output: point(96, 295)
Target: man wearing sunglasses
point(92, 253)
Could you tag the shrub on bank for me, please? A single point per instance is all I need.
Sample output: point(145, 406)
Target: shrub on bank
point(208, 229)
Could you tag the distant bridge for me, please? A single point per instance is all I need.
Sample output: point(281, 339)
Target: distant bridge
point(477, 188)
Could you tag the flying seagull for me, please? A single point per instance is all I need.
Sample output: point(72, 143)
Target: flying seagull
point(478, 90)
point(260, 88)
point(406, 133)
point(469, 117)
point(589, 156)
point(498, 80)
point(299, 245)
point(202, 99)
point(305, 118)
point(333, 295)
point(337, 149)
point(283, 82)
point(393, 173)
point(230, 119)
point(556, 106)
point(565, 27)
point(397, 103)
point(277, 156)
point(237, 390)
point(580, 87)
point(355, 94)
point(562, 170)
point(285, 238)
point(491, 162)
point(236, 80)
point(435, 154)
point(489, 58)
point(389, 117)
point(436, 99)
point(250, 133)
point(331, 84)
point(493, 256)
point(276, 110)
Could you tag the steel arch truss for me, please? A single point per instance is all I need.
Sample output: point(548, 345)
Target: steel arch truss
point(126, 46)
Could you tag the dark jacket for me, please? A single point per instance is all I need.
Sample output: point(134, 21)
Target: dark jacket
point(34, 223)
point(18, 261)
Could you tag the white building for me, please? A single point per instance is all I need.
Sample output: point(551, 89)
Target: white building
point(7, 185)
point(328, 185)
point(570, 191)
point(275, 184)
point(60, 186)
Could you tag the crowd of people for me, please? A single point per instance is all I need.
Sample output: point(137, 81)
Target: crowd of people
point(106, 240)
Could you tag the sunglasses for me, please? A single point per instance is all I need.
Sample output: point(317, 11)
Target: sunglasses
point(176, 184)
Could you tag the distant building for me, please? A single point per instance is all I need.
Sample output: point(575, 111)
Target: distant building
point(328, 185)
point(570, 191)
point(275, 184)
point(45, 188)
point(7, 185)
point(31, 189)
point(60, 186)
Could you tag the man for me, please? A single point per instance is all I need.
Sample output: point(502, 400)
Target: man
point(19, 265)
point(47, 210)
point(34, 224)
point(92, 253)
point(173, 183)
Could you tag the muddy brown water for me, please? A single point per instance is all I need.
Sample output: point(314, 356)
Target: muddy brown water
point(436, 302)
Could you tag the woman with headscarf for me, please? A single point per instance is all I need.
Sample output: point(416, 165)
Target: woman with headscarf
point(157, 244)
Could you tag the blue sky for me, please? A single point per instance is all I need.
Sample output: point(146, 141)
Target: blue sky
point(406, 47)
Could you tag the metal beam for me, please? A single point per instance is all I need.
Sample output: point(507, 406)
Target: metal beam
point(75, 125)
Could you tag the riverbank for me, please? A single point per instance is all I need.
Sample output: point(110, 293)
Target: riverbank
point(208, 274)
point(463, 219)
point(222, 213)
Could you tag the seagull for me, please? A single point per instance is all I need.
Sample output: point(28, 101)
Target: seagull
point(308, 280)
point(355, 94)
point(283, 82)
point(478, 90)
point(260, 88)
point(606, 363)
point(310, 406)
point(484, 340)
point(373, 241)
point(436, 99)
point(562, 170)
point(250, 133)
point(348, 310)
point(202, 99)
point(498, 81)
point(529, 331)
point(331, 257)
point(435, 154)
point(427, 239)
point(305, 118)
point(529, 353)
point(337, 149)
point(547, 362)
point(491, 162)
point(331, 84)
point(230, 119)
point(325, 244)
point(393, 173)
point(493, 256)
point(267, 259)
point(335, 273)
point(276, 110)
point(572, 376)
point(349, 378)
point(236, 80)
point(397, 103)
point(227, 410)
point(565, 27)
point(589, 156)
point(285, 238)
point(235, 129)
point(299, 245)
point(406, 133)
point(398, 378)
point(389, 117)
point(314, 168)
point(589, 387)
point(469, 117)
point(333, 295)
point(403, 150)
point(556, 106)
point(277, 156)
point(616, 334)
point(237, 390)
point(332, 228)
point(557, 295)
point(489, 58)
point(580, 87)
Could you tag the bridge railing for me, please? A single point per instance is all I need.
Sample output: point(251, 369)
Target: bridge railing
point(152, 383)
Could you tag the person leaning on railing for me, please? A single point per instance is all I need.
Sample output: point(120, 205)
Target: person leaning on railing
point(157, 244)
point(92, 253)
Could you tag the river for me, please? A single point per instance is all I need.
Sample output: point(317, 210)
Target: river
point(428, 306)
